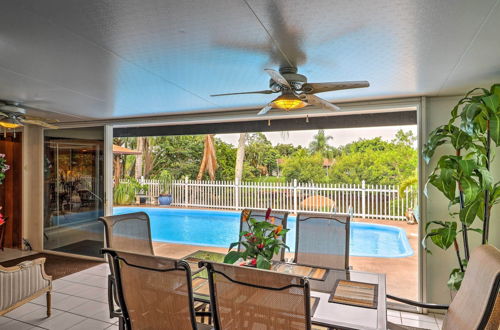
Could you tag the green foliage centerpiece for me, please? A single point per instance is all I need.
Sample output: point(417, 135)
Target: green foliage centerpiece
point(464, 176)
point(261, 242)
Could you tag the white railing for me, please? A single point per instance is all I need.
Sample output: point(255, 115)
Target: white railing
point(366, 201)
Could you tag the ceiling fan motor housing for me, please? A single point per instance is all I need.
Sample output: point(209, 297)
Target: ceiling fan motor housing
point(296, 80)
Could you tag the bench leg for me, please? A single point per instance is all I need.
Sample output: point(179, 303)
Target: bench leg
point(49, 303)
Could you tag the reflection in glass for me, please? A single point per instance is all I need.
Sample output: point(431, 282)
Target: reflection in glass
point(74, 191)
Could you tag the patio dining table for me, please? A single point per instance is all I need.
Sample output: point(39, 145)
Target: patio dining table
point(323, 282)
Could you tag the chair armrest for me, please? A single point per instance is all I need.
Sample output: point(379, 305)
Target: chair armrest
point(416, 303)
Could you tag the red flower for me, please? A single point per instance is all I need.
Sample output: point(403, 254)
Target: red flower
point(248, 234)
point(268, 213)
point(260, 246)
point(253, 262)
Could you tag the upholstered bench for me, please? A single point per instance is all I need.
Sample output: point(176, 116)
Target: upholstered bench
point(23, 283)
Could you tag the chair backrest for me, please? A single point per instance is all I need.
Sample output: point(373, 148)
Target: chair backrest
point(251, 298)
point(280, 218)
point(477, 303)
point(322, 240)
point(153, 292)
point(128, 232)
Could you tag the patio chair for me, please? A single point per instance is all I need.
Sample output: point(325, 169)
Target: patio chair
point(251, 298)
point(22, 283)
point(154, 292)
point(477, 303)
point(322, 240)
point(127, 232)
point(280, 218)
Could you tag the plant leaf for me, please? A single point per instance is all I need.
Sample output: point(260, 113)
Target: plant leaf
point(495, 127)
point(231, 257)
point(262, 262)
point(469, 212)
point(470, 189)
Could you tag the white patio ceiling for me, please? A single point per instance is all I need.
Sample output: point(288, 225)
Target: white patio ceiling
point(112, 59)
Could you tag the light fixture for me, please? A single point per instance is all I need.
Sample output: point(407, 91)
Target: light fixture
point(288, 101)
point(10, 123)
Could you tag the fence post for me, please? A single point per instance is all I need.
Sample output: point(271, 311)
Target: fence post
point(237, 193)
point(363, 199)
point(186, 195)
point(295, 196)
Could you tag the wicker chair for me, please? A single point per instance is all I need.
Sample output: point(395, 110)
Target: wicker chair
point(250, 298)
point(127, 232)
point(154, 292)
point(22, 283)
point(280, 218)
point(322, 240)
point(477, 303)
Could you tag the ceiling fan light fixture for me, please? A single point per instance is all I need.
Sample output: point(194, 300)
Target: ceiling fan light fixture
point(288, 102)
point(10, 123)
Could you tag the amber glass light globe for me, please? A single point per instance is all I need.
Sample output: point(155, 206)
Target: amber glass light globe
point(288, 102)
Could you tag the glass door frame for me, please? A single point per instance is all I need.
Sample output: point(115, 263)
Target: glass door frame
point(107, 177)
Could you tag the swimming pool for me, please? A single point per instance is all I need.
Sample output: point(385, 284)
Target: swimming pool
point(220, 228)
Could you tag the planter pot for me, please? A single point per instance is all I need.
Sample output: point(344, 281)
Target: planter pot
point(142, 200)
point(165, 199)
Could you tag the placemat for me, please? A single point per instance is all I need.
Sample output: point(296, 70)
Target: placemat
point(299, 270)
point(354, 293)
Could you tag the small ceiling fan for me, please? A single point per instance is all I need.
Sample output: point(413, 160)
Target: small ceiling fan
point(12, 116)
point(296, 92)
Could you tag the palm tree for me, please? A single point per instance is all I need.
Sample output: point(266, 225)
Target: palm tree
point(240, 157)
point(320, 144)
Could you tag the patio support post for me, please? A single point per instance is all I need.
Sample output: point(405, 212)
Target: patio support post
point(295, 196)
point(363, 199)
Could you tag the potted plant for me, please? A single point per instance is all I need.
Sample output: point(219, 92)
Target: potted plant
point(464, 176)
point(165, 199)
point(262, 241)
point(165, 178)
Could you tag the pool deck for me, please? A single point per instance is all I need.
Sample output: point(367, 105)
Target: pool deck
point(402, 273)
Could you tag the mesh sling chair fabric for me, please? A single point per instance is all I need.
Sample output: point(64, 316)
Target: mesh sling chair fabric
point(127, 232)
point(322, 240)
point(477, 302)
point(251, 298)
point(154, 292)
point(280, 218)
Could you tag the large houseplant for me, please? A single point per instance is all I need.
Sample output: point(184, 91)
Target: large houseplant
point(464, 176)
point(261, 241)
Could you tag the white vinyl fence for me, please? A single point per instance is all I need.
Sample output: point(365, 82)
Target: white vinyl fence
point(366, 201)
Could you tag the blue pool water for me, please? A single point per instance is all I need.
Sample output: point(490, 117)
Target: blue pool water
point(220, 228)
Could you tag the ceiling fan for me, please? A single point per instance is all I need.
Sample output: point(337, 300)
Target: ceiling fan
point(296, 92)
point(12, 116)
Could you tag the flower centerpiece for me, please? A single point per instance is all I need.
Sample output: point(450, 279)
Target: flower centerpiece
point(261, 242)
point(3, 167)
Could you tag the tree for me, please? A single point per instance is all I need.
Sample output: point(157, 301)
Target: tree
point(209, 160)
point(240, 157)
point(141, 146)
point(375, 161)
point(303, 167)
point(320, 144)
point(260, 154)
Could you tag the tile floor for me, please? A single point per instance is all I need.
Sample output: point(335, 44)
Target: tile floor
point(79, 301)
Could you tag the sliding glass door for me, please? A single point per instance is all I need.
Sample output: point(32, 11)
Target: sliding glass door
point(74, 190)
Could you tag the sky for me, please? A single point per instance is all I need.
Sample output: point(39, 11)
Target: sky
point(340, 136)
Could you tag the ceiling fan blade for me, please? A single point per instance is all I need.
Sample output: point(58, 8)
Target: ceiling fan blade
point(238, 93)
point(37, 123)
point(318, 101)
point(2, 114)
point(265, 110)
point(276, 76)
point(333, 86)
